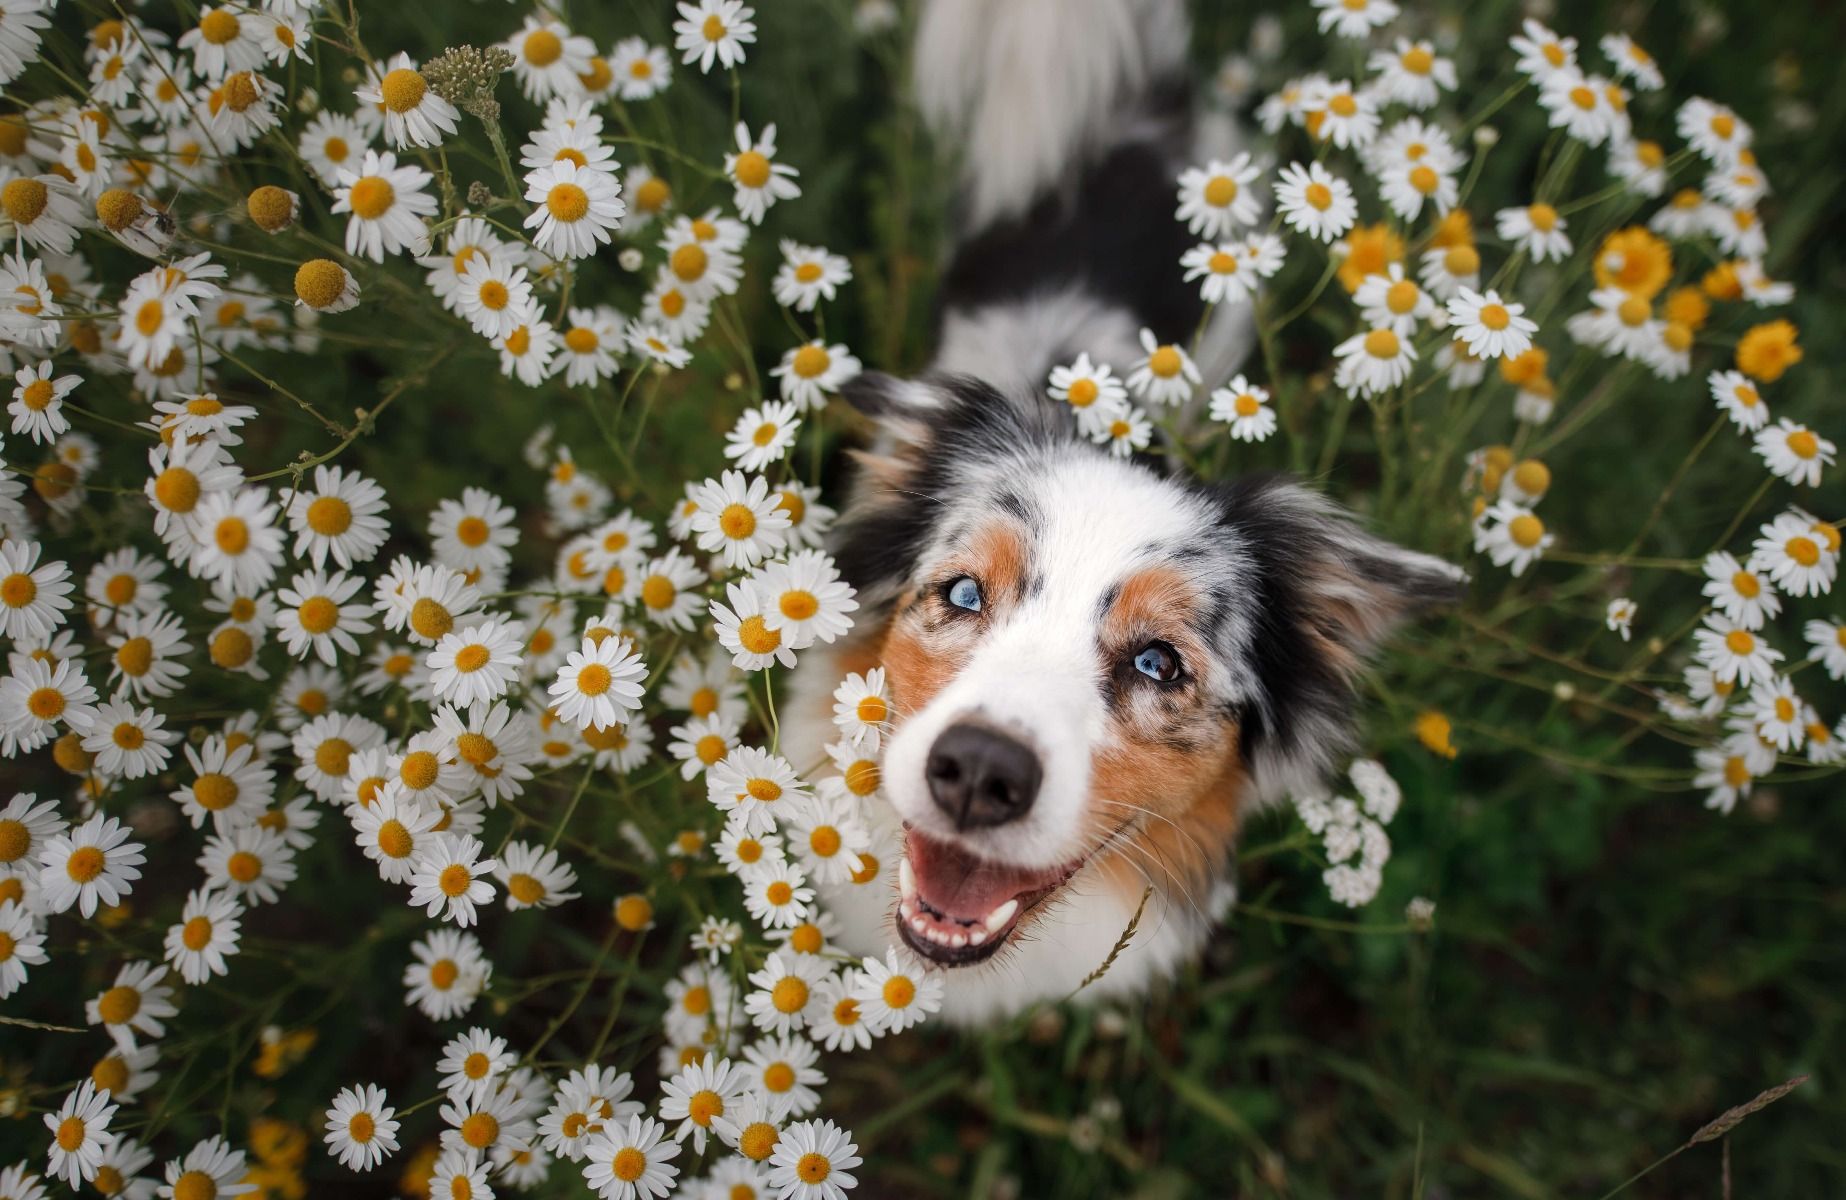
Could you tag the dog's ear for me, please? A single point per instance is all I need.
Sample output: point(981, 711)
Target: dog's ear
point(1327, 595)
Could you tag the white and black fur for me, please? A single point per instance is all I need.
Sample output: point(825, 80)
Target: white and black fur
point(1073, 121)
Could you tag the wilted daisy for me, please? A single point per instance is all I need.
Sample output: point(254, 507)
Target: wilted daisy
point(1489, 326)
point(387, 203)
point(758, 179)
point(79, 1134)
point(93, 864)
point(414, 115)
point(631, 1162)
point(361, 1127)
point(1314, 201)
point(813, 1160)
point(577, 207)
point(808, 275)
point(714, 32)
point(1794, 452)
point(762, 435)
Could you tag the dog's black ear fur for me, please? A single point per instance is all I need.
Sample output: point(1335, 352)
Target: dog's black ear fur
point(1328, 594)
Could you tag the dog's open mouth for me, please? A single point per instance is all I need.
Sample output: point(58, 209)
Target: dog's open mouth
point(956, 908)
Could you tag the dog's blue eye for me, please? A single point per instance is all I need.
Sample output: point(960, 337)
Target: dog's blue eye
point(1158, 661)
point(965, 593)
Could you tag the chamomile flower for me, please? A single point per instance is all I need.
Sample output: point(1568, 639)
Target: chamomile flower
point(33, 597)
point(253, 863)
point(1619, 616)
point(804, 598)
point(80, 1134)
point(641, 70)
point(548, 59)
point(657, 344)
point(827, 837)
point(1512, 536)
point(813, 1160)
point(1733, 652)
point(599, 684)
point(1739, 399)
point(1407, 186)
point(1214, 200)
point(715, 937)
point(1393, 301)
point(1165, 374)
point(501, 1119)
point(808, 275)
point(738, 518)
point(1631, 61)
point(332, 142)
point(1091, 389)
point(207, 932)
point(1743, 595)
point(1374, 362)
point(837, 1021)
point(445, 880)
point(698, 1094)
point(93, 864)
point(714, 32)
point(762, 435)
point(810, 373)
point(448, 972)
point(44, 212)
point(316, 616)
point(1489, 326)
point(1412, 74)
point(1314, 201)
point(1641, 164)
point(776, 893)
point(1127, 432)
point(534, 877)
point(1446, 270)
point(361, 1128)
point(703, 741)
point(414, 114)
point(1829, 641)
point(22, 944)
point(755, 788)
point(895, 997)
point(237, 543)
point(1580, 105)
point(577, 207)
point(37, 698)
point(474, 531)
point(129, 742)
point(135, 1005)
point(783, 995)
point(1801, 554)
point(1713, 130)
point(476, 665)
point(492, 293)
point(862, 708)
point(1777, 713)
point(589, 345)
point(1794, 452)
point(631, 1162)
point(211, 1168)
point(324, 749)
point(26, 823)
point(473, 1064)
point(387, 203)
point(1538, 229)
point(37, 407)
point(758, 180)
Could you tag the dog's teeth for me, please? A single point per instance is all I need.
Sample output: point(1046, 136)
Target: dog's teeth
point(977, 936)
point(959, 940)
point(920, 925)
point(906, 909)
point(906, 878)
point(997, 919)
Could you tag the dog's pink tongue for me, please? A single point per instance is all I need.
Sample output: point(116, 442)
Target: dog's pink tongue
point(958, 884)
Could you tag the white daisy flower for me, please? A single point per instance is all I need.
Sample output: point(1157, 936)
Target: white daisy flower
point(548, 59)
point(703, 741)
point(894, 997)
point(448, 972)
point(207, 932)
point(762, 436)
point(44, 211)
point(632, 1162)
point(534, 877)
point(1794, 452)
point(80, 1134)
point(1374, 362)
point(1619, 616)
point(738, 518)
point(1314, 201)
point(37, 698)
point(1777, 713)
point(1512, 536)
point(446, 879)
point(1215, 199)
point(136, 1004)
point(783, 996)
point(387, 203)
point(252, 862)
point(599, 684)
point(1828, 639)
point(590, 343)
point(1734, 653)
point(1801, 554)
point(129, 742)
point(22, 944)
point(1489, 326)
point(776, 893)
point(492, 294)
point(1738, 398)
point(641, 70)
point(1393, 301)
point(361, 1127)
point(758, 179)
point(808, 275)
point(813, 1160)
point(211, 1168)
point(1342, 115)
point(37, 408)
point(316, 616)
point(33, 597)
point(1538, 229)
point(1739, 592)
point(1580, 105)
point(755, 787)
point(804, 598)
point(1631, 61)
point(26, 824)
point(577, 207)
point(1714, 131)
point(828, 838)
point(812, 372)
point(91, 865)
point(473, 1064)
point(862, 708)
point(414, 114)
point(476, 665)
point(714, 32)
point(1412, 74)
point(237, 543)
point(837, 1022)
point(698, 1094)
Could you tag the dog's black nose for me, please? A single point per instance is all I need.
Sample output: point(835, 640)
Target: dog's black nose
point(980, 777)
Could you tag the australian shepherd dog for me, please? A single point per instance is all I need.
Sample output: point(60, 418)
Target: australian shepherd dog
point(1097, 667)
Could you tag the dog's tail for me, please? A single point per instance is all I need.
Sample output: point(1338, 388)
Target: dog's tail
point(1030, 92)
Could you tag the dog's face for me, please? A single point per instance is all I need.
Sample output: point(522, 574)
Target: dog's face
point(1093, 667)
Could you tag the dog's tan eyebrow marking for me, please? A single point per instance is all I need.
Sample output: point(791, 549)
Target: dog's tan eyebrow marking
point(997, 554)
point(1156, 596)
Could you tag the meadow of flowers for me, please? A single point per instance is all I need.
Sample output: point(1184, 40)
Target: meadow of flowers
point(419, 461)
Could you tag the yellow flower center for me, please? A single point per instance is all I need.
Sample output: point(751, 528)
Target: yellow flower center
point(899, 991)
point(658, 592)
point(402, 90)
point(790, 994)
point(455, 880)
point(1318, 195)
point(243, 866)
point(480, 1130)
point(1526, 530)
point(85, 864)
point(594, 679)
point(652, 194)
point(1803, 444)
point(371, 197)
point(1417, 60)
point(1381, 343)
point(118, 1005)
point(1740, 642)
point(472, 657)
point(629, 1164)
point(24, 200)
point(218, 26)
point(567, 202)
point(196, 934)
point(128, 737)
point(214, 791)
point(430, 619)
point(543, 47)
point(811, 362)
point(1803, 550)
point(135, 656)
point(394, 840)
point(318, 614)
point(812, 1168)
point(798, 605)
point(737, 521)
point(710, 748)
point(1495, 316)
point(758, 1141)
point(751, 169)
point(689, 262)
point(319, 282)
point(756, 637)
point(70, 1134)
